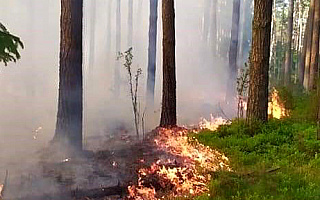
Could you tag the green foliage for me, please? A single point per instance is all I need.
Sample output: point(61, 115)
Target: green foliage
point(280, 160)
point(9, 45)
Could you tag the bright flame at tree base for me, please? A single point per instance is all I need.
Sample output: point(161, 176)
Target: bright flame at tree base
point(185, 172)
point(276, 108)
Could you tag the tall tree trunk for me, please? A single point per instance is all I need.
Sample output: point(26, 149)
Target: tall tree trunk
point(315, 48)
point(130, 23)
point(274, 43)
point(168, 112)
point(117, 78)
point(288, 62)
point(308, 47)
point(259, 69)
point(233, 51)
point(152, 52)
point(304, 50)
point(69, 117)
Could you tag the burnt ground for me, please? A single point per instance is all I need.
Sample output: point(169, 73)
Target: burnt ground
point(104, 173)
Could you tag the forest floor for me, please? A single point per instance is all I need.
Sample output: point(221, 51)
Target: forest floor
point(276, 160)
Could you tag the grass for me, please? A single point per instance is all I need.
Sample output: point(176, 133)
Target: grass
point(279, 160)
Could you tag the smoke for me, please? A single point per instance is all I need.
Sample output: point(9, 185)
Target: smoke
point(29, 88)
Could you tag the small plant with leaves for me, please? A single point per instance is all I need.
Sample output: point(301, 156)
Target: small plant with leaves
point(9, 45)
point(133, 88)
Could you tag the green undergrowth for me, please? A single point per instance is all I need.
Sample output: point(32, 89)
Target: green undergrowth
point(276, 160)
point(280, 161)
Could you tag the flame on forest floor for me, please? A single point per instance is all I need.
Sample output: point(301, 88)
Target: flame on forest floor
point(212, 124)
point(276, 108)
point(185, 173)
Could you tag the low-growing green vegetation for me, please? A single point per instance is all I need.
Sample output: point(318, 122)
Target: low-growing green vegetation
point(278, 160)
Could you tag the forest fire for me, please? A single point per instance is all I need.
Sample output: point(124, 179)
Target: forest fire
point(276, 109)
point(178, 173)
point(213, 124)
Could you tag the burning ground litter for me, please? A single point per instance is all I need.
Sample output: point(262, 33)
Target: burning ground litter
point(167, 163)
point(182, 169)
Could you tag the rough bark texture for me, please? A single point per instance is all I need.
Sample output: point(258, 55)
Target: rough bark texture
point(152, 52)
point(69, 117)
point(233, 51)
point(168, 112)
point(259, 69)
point(308, 47)
point(288, 61)
point(304, 50)
point(315, 48)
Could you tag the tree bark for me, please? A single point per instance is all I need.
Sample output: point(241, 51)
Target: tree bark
point(152, 52)
point(304, 50)
point(308, 47)
point(288, 62)
point(70, 103)
point(168, 112)
point(259, 69)
point(233, 50)
point(314, 60)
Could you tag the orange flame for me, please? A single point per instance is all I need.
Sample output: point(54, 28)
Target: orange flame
point(276, 109)
point(182, 173)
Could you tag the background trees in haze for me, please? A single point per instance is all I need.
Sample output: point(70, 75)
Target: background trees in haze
point(152, 52)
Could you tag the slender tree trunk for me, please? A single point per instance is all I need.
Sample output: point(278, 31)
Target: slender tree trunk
point(308, 47)
point(69, 117)
point(304, 50)
point(314, 60)
point(259, 71)
point(152, 52)
point(117, 78)
point(233, 51)
point(168, 112)
point(130, 23)
point(274, 43)
point(288, 62)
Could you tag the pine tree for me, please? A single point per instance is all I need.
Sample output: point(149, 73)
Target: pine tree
point(69, 118)
point(259, 69)
point(168, 112)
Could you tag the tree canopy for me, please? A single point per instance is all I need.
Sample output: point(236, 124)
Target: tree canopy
point(9, 45)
